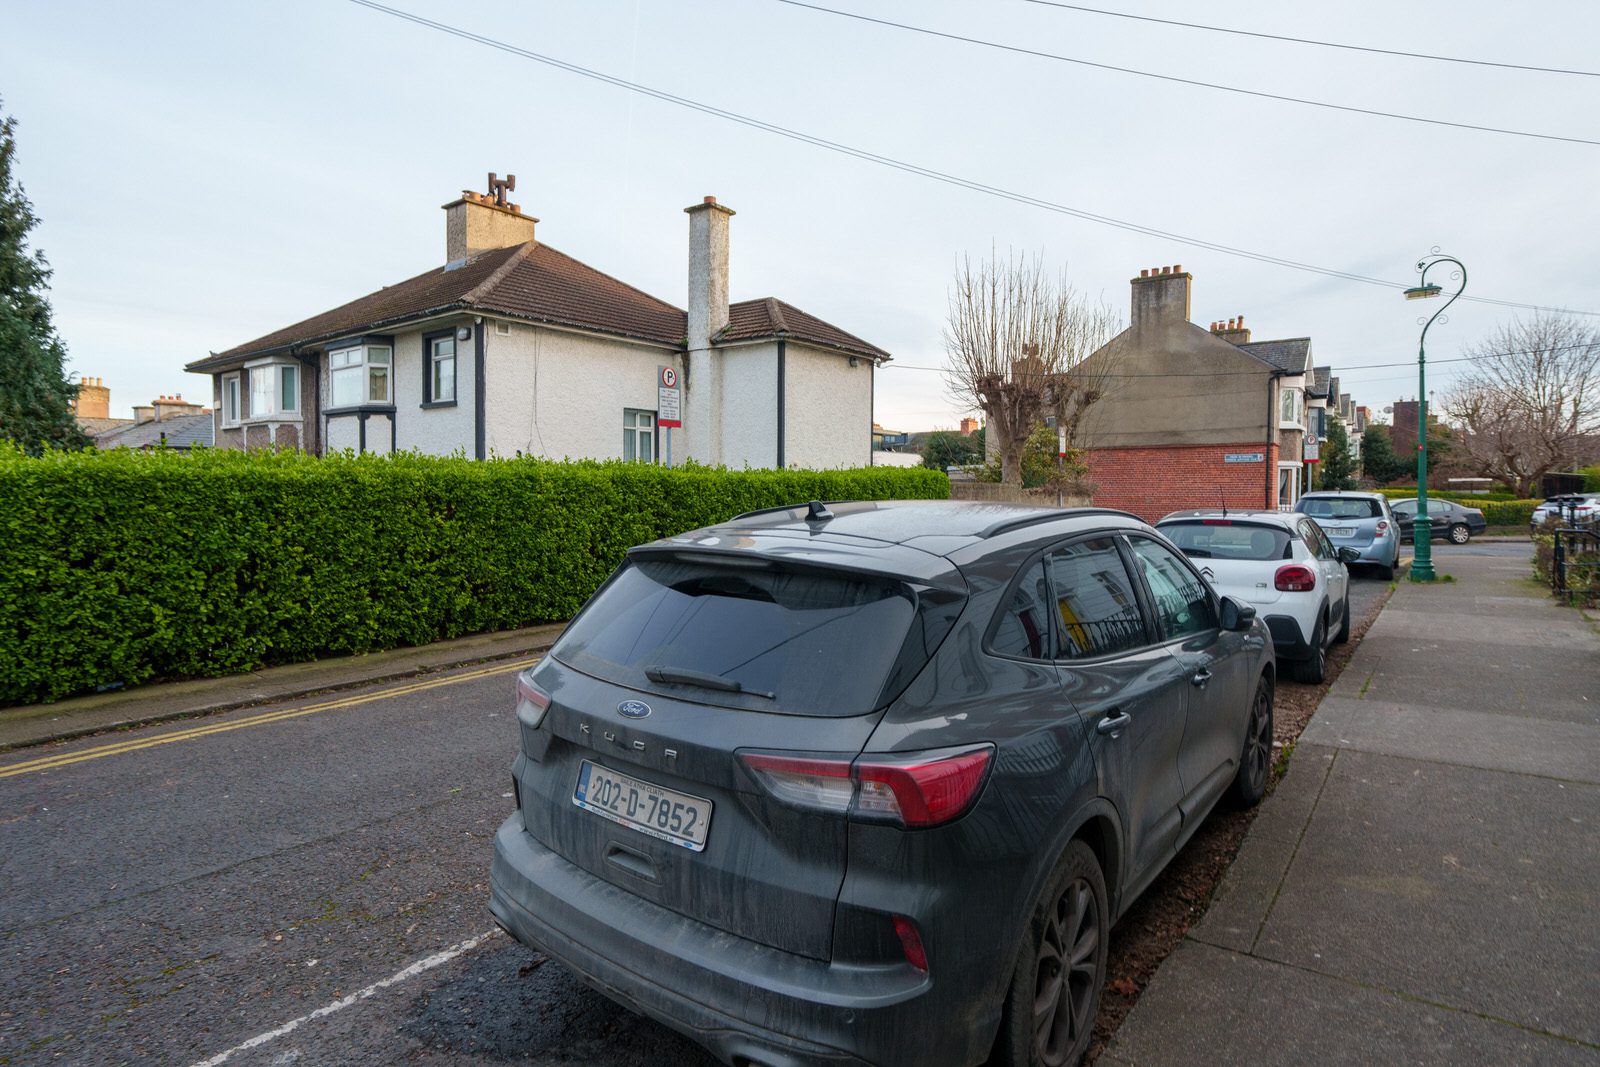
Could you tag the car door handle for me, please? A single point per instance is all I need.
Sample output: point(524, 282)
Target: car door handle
point(1113, 724)
point(1200, 677)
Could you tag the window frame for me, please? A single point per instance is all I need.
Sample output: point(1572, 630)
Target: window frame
point(429, 397)
point(1152, 628)
point(630, 435)
point(365, 346)
point(1048, 638)
point(1154, 616)
point(264, 382)
point(1296, 419)
point(233, 381)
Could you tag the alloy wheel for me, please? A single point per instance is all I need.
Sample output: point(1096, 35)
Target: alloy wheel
point(1459, 534)
point(1258, 746)
point(1064, 991)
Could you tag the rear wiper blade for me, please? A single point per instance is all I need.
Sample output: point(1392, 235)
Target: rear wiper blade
point(704, 679)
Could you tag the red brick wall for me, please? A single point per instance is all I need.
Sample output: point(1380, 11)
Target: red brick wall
point(1151, 482)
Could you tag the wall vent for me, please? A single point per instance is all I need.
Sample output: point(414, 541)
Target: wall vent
point(503, 329)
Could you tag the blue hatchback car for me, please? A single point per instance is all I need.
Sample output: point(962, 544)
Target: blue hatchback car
point(1361, 521)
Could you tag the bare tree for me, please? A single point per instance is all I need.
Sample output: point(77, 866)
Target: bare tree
point(1016, 336)
point(1530, 400)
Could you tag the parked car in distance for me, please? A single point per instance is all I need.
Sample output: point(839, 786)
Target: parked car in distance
point(1453, 522)
point(1281, 564)
point(869, 783)
point(1574, 509)
point(1361, 521)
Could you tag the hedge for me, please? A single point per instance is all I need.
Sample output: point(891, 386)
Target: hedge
point(1497, 510)
point(121, 567)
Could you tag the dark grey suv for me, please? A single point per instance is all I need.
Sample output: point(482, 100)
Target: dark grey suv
point(869, 783)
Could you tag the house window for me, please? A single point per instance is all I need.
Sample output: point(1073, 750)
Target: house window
point(230, 400)
point(1289, 407)
point(274, 390)
point(439, 383)
point(360, 375)
point(1288, 487)
point(638, 436)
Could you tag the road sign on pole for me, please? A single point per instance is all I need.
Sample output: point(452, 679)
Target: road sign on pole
point(668, 398)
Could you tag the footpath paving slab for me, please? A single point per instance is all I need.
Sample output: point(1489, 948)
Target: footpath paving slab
point(1423, 885)
point(34, 724)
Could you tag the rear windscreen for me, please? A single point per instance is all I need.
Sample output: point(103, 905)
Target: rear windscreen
point(1330, 508)
point(803, 642)
point(1202, 540)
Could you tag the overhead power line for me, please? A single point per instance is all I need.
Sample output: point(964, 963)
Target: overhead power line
point(1019, 50)
point(1342, 370)
point(1316, 43)
point(917, 169)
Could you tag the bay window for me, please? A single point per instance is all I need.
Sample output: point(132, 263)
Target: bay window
point(1289, 407)
point(230, 400)
point(360, 375)
point(274, 390)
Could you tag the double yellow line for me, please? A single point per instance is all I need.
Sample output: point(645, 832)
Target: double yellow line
point(46, 763)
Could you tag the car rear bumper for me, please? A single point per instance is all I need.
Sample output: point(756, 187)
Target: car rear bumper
point(745, 1001)
point(1288, 642)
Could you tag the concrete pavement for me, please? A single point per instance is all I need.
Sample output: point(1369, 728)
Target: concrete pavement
point(33, 724)
point(1424, 886)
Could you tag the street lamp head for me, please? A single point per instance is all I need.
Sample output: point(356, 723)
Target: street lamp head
point(1423, 292)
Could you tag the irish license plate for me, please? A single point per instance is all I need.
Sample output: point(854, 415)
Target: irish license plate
point(1341, 531)
point(662, 813)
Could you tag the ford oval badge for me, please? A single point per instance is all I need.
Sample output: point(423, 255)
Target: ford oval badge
point(634, 709)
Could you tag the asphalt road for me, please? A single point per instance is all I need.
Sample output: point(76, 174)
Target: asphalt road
point(191, 893)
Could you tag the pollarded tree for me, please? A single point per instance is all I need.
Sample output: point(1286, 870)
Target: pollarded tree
point(35, 396)
point(1016, 336)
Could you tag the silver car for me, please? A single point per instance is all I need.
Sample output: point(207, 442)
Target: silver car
point(1361, 521)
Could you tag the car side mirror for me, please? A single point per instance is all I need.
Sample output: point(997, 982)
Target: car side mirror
point(1348, 555)
point(1236, 616)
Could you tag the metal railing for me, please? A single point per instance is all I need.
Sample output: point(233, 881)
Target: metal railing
point(1577, 556)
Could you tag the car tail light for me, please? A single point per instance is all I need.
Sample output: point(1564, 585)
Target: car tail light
point(532, 703)
point(915, 791)
point(1383, 527)
point(911, 943)
point(1295, 579)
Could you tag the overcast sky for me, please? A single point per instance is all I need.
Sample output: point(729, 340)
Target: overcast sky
point(206, 173)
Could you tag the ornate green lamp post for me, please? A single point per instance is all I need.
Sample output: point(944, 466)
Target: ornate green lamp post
point(1422, 525)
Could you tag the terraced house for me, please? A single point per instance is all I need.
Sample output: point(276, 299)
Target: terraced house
point(1197, 417)
point(513, 348)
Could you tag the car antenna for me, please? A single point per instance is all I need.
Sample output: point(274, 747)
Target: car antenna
point(817, 511)
point(1224, 498)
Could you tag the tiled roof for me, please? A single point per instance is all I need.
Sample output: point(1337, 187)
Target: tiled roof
point(532, 281)
point(182, 431)
point(535, 282)
point(1322, 377)
point(96, 427)
point(770, 317)
point(1291, 355)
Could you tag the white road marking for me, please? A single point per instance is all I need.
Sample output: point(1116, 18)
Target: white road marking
point(412, 971)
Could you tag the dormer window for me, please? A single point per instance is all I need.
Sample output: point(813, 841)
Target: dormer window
point(360, 375)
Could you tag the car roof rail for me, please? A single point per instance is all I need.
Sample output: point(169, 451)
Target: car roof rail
point(776, 510)
point(1048, 515)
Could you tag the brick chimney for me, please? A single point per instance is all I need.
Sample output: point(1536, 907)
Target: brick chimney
point(1233, 331)
point(483, 222)
point(1160, 297)
point(165, 407)
point(94, 399)
point(708, 271)
point(143, 413)
point(969, 426)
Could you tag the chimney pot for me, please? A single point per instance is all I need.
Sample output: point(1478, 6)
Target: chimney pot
point(1177, 268)
point(709, 200)
point(1145, 273)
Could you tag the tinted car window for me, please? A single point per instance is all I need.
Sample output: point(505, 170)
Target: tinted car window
point(1183, 605)
point(1311, 536)
point(1097, 610)
point(1340, 507)
point(819, 643)
point(1023, 628)
point(1226, 539)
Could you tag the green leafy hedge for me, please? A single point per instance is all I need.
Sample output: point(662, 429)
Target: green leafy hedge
point(1497, 510)
point(121, 567)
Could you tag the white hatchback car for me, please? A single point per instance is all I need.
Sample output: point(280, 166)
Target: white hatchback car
point(1283, 565)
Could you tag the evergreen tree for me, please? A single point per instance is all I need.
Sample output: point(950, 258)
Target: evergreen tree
point(1378, 459)
point(35, 396)
point(946, 448)
point(1338, 467)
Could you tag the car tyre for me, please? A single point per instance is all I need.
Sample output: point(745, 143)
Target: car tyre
point(1386, 572)
point(1255, 762)
point(1344, 621)
point(1054, 998)
point(1459, 534)
point(1314, 667)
